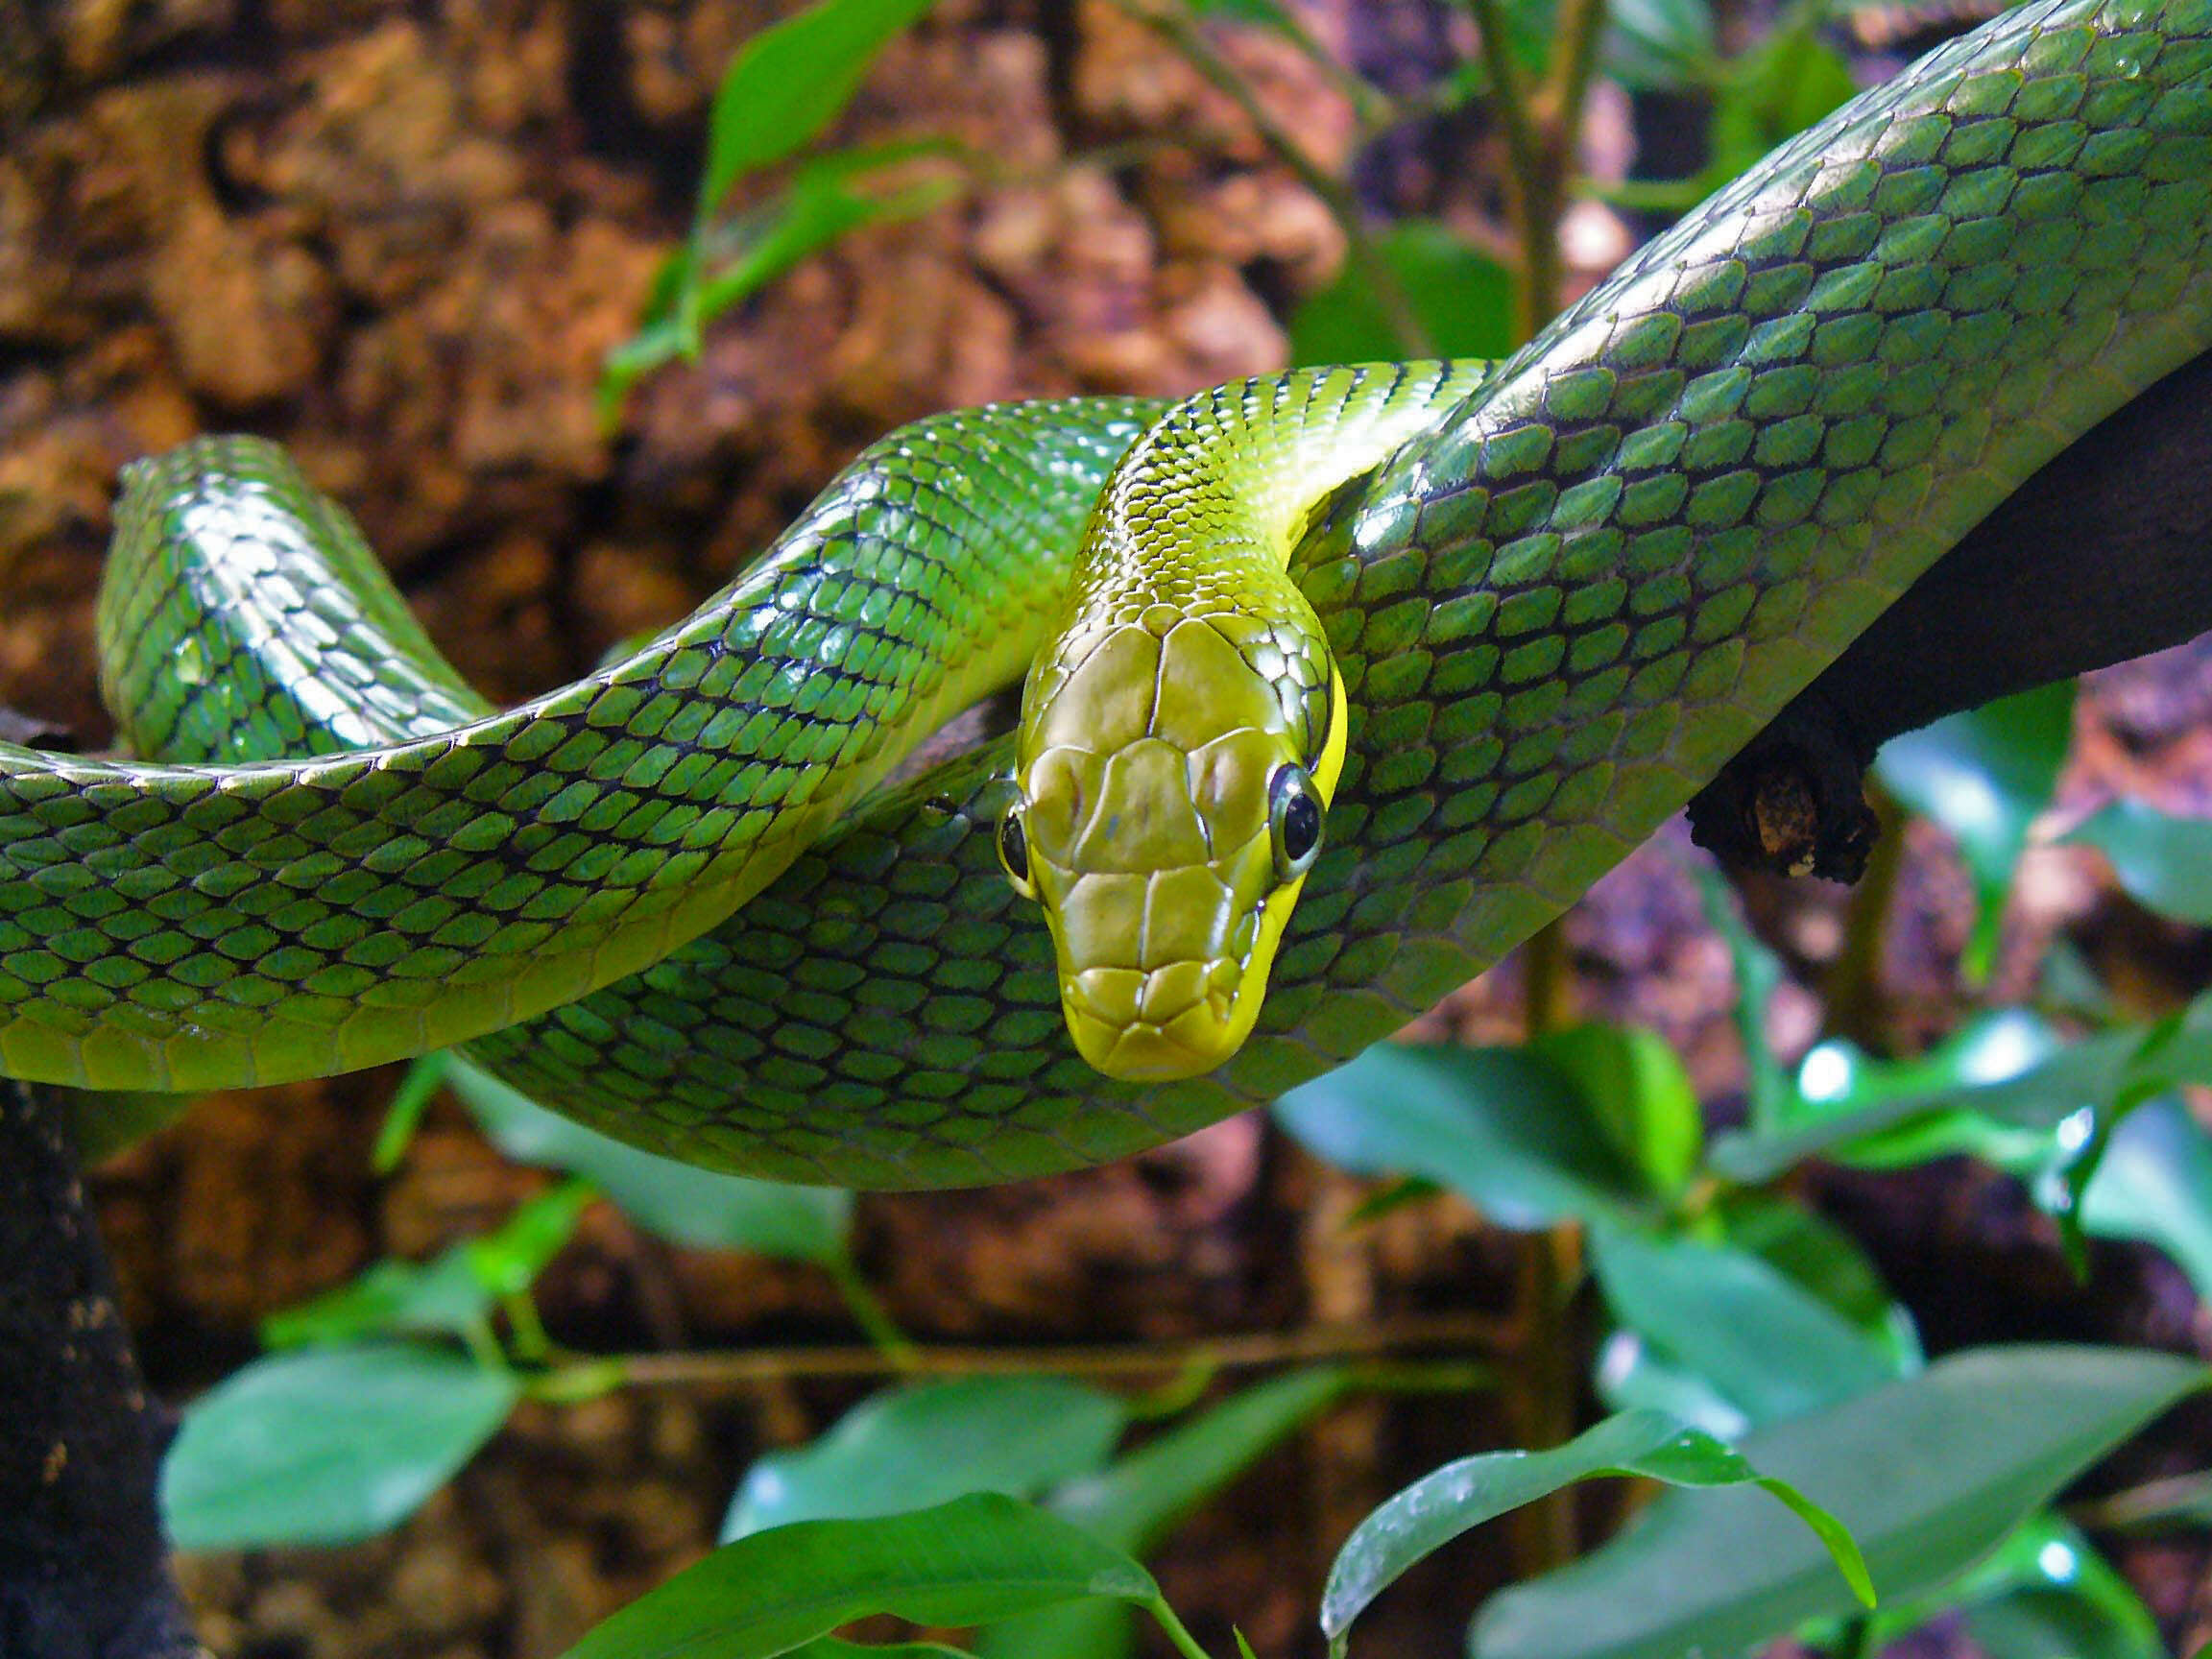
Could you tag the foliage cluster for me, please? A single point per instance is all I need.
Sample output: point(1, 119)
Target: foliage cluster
point(1752, 1355)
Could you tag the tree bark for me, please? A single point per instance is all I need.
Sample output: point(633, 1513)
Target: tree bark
point(83, 1566)
point(2103, 555)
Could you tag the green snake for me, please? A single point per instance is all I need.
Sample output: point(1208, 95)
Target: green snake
point(1557, 601)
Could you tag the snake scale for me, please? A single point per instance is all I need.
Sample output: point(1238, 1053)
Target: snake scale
point(1557, 609)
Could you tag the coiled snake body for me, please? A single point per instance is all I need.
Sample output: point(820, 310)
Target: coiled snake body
point(1556, 610)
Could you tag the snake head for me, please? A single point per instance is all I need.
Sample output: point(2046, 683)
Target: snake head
point(1174, 774)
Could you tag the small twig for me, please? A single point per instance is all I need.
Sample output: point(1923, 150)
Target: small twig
point(1452, 1330)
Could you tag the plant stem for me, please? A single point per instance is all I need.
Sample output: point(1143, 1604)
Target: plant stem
point(1853, 986)
point(1185, 1643)
point(868, 1312)
point(1460, 1331)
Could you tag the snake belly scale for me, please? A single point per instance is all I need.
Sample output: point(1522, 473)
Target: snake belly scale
point(1556, 609)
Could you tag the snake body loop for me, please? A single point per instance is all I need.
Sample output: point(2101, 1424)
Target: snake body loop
point(1556, 610)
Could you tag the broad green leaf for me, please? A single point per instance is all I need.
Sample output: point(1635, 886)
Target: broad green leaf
point(2047, 1594)
point(2043, 1579)
point(1136, 1502)
point(1133, 1502)
point(1462, 298)
point(1996, 1089)
point(967, 1562)
point(915, 1447)
point(1634, 1374)
point(690, 1207)
point(1072, 1630)
point(2163, 863)
point(1440, 1507)
point(1984, 775)
point(792, 79)
point(837, 1648)
point(328, 1446)
point(1634, 1086)
point(1819, 1258)
point(1929, 1473)
point(1769, 1345)
point(2154, 1185)
point(1498, 1126)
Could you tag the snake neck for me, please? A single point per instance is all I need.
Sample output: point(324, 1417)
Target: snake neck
point(1184, 728)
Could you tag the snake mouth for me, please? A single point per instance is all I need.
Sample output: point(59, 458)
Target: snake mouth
point(1156, 1025)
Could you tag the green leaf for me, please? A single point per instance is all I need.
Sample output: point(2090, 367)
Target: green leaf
point(1997, 1089)
point(1658, 45)
point(918, 1446)
point(2047, 1594)
point(1770, 1346)
point(690, 1207)
point(391, 1298)
point(1634, 1374)
point(792, 79)
point(1133, 1503)
point(837, 1648)
point(1499, 1125)
point(1778, 88)
point(1072, 1630)
point(1633, 1083)
point(1138, 1499)
point(728, 261)
point(1462, 298)
point(1819, 1258)
point(453, 1294)
point(1984, 775)
point(1266, 14)
point(2154, 1185)
point(508, 1260)
point(2163, 863)
point(1440, 1507)
point(403, 1115)
point(1929, 1473)
point(326, 1447)
point(967, 1562)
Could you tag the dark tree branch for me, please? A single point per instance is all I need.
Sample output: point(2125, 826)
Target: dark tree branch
point(84, 1567)
point(2103, 555)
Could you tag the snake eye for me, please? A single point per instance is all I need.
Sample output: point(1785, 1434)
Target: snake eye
point(1013, 853)
point(1294, 818)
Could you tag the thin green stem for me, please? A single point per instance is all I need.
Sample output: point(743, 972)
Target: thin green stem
point(869, 1312)
point(532, 1344)
point(1185, 1643)
point(1460, 1332)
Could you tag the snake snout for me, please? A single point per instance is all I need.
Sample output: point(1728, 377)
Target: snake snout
point(1157, 1024)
